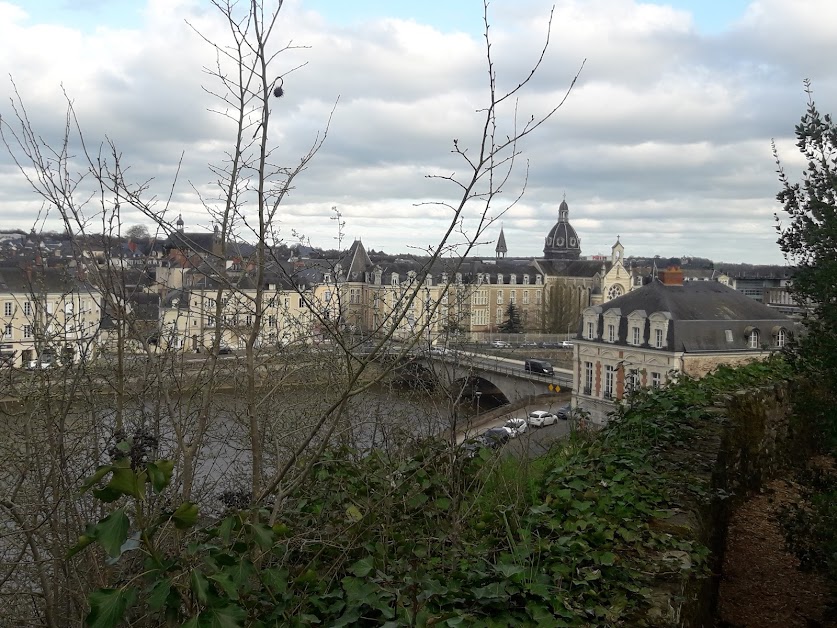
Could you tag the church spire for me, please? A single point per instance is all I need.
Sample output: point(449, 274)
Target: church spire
point(501, 249)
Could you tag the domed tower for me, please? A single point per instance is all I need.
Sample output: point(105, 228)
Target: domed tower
point(562, 242)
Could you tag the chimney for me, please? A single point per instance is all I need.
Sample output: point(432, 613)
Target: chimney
point(671, 276)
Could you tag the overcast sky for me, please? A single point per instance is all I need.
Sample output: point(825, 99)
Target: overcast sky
point(664, 142)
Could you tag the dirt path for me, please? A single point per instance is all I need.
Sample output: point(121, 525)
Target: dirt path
point(761, 586)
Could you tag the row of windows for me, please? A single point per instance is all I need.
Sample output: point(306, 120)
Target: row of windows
point(632, 380)
point(635, 338)
point(69, 308)
point(27, 330)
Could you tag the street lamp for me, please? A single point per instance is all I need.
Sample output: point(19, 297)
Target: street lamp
point(478, 394)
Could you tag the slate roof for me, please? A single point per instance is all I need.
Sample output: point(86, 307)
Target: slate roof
point(701, 313)
point(573, 268)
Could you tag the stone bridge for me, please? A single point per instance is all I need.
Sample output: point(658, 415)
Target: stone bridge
point(483, 376)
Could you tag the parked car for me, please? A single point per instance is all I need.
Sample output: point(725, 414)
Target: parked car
point(471, 447)
point(224, 350)
point(500, 344)
point(496, 436)
point(538, 366)
point(438, 351)
point(564, 412)
point(567, 344)
point(539, 418)
point(516, 426)
point(43, 363)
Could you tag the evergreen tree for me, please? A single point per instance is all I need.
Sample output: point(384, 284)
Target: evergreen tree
point(809, 241)
point(511, 324)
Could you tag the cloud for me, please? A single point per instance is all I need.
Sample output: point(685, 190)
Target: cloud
point(665, 140)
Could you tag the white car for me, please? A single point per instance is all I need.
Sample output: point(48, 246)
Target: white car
point(500, 344)
point(539, 418)
point(516, 426)
point(566, 344)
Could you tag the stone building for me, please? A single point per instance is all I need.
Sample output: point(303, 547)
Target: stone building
point(572, 283)
point(666, 327)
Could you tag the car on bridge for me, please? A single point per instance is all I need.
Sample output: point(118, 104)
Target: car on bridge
point(501, 344)
point(539, 418)
point(539, 367)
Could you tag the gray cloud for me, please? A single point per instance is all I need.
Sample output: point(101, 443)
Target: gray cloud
point(665, 141)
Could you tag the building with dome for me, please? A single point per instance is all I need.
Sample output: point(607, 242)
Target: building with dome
point(571, 283)
point(562, 242)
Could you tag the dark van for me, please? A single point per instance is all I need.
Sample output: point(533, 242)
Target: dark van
point(538, 366)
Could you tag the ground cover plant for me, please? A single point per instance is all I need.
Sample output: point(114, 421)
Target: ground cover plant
point(429, 538)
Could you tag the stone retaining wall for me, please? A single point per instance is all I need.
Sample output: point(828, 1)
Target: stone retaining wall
point(748, 441)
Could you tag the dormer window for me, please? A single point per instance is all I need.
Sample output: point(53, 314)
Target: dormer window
point(538, 279)
point(525, 280)
point(636, 327)
point(500, 279)
point(612, 319)
point(487, 278)
point(590, 322)
point(444, 278)
point(459, 278)
point(394, 279)
point(513, 279)
point(659, 322)
point(327, 278)
point(429, 280)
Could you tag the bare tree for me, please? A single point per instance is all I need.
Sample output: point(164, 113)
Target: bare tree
point(254, 426)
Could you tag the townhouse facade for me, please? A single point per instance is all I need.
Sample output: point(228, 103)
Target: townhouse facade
point(665, 328)
point(49, 316)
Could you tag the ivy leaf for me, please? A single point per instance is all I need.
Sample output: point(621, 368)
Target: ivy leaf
point(107, 606)
point(606, 558)
point(107, 495)
point(353, 513)
point(508, 569)
point(159, 594)
point(159, 473)
point(200, 585)
point(185, 516)
point(230, 616)
point(112, 531)
point(226, 583)
point(262, 535)
point(94, 479)
point(363, 567)
point(126, 481)
point(83, 541)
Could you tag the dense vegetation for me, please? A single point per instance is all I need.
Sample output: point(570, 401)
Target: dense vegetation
point(571, 539)
point(808, 238)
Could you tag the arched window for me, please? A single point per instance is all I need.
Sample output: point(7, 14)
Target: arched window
point(754, 339)
point(781, 338)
